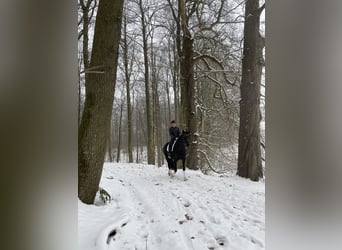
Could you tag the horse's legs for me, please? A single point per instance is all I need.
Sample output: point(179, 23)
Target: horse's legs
point(183, 161)
point(175, 166)
point(170, 164)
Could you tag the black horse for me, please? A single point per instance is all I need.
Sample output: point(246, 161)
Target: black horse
point(178, 153)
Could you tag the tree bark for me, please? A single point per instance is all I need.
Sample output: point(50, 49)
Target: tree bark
point(85, 31)
point(188, 89)
point(95, 123)
point(249, 159)
point(79, 98)
point(85, 41)
point(110, 143)
point(178, 76)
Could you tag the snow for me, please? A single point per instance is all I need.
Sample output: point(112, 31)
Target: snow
point(150, 210)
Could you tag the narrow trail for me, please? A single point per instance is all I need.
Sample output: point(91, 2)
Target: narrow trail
point(160, 213)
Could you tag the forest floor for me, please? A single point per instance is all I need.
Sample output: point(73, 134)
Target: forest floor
point(151, 211)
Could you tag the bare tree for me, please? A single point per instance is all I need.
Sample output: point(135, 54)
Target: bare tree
point(150, 134)
point(118, 152)
point(100, 86)
point(184, 42)
point(109, 146)
point(87, 10)
point(181, 59)
point(128, 67)
point(249, 161)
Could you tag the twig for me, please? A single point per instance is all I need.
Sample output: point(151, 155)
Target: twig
point(94, 72)
point(91, 68)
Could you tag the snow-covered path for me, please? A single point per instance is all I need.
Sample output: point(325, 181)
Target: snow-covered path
point(151, 211)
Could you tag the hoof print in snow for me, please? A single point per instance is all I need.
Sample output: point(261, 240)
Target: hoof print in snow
point(111, 236)
point(124, 224)
point(181, 222)
point(192, 237)
point(220, 241)
point(188, 216)
point(187, 204)
point(201, 221)
point(110, 177)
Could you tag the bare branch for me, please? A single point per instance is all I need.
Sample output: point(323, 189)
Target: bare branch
point(214, 59)
point(207, 159)
point(173, 12)
point(192, 10)
point(80, 34)
point(92, 11)
point(94, 72)
point(261, 9)
point(91, 68)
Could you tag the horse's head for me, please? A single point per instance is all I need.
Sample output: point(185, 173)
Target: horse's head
point(185, 135)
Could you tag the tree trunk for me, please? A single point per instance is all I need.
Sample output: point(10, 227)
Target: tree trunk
point(79, 98)
point(137, 137)
point(85, 31)
point(178, 74)
point(188, 89)
point(128, 94)
point(100, 87)
point(168, 86)
point(156, 108)
point(119, 132)
point(110, 143)
point(150, 137)
point(168, 102)
point(174, 70)
point(190, 111)
point(154, 94)
point(249, 159)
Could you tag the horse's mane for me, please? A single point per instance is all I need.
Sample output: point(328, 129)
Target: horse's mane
point(183, 136)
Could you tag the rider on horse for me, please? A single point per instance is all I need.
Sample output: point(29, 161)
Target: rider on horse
point(175, 150)
point(174, 134)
